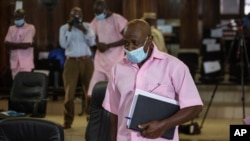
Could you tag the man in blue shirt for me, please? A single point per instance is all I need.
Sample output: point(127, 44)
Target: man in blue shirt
point(76, 38)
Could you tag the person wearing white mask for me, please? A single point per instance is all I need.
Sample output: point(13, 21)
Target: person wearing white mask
point(108, 27)
point(19, 40)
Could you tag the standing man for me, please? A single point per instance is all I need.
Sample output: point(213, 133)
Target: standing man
point(76, 38)
point(108, 27)
point(146, 68)
point(20, 41)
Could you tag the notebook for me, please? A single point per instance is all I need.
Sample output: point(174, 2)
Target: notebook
point(148, 106)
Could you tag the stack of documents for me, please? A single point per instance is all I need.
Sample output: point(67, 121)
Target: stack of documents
point(147, 107)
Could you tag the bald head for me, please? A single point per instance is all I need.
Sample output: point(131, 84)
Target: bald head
point(137, 28)
point(137, 33)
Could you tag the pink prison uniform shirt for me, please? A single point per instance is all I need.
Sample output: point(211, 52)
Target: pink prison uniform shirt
point(21, 58)
point(108, 31)
point(162, 73)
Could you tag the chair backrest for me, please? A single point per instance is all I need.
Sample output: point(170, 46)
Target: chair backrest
point(99, 120)
point(30, 129)
point(28, 93)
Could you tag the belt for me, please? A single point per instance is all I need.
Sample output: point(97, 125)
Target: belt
point(78, 58)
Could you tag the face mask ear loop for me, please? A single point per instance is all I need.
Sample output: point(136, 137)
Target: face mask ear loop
point(145, 44)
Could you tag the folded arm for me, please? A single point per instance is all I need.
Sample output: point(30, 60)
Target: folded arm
point(12, 45)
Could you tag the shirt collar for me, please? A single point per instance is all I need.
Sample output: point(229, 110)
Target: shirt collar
point(157, 53)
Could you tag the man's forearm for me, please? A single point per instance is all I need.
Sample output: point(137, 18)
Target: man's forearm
point(116, 44)
point(183, 115)
point(12, 45)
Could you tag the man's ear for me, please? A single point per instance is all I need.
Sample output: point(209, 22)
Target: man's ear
point(150, 38)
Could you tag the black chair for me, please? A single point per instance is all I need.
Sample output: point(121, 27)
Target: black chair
point(30, 129)
point(99, 120)
point(28, 93)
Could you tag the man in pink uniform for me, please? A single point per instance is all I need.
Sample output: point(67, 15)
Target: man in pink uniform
point(19, 40)
point(108, 28)
point(145, 67)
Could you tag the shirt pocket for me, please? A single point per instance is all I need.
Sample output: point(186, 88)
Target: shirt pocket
point(161, 89)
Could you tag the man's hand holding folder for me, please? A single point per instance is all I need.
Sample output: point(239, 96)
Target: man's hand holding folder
point(152, 129)
point(147, 112)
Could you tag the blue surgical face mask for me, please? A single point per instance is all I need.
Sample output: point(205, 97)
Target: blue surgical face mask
point(138, 55)
point(101, 16)
point(19, 23)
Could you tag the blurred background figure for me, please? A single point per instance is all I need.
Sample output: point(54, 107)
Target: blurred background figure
point(76, 38)
point(20, 42)
point(158, 37)
point(108, 27)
